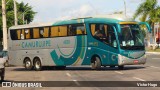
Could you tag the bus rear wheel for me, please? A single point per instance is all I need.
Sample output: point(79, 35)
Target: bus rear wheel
point(27, 64)
point(2, 75)
point(37, 64)
point(96, 63)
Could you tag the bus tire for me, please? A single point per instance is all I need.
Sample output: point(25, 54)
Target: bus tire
point(96, 63)
point(112, 66)
point(37, 64)
point(2, 76)
point(27, 64)
point(121, 67)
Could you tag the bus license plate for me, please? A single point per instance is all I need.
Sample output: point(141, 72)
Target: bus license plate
point(135, 61)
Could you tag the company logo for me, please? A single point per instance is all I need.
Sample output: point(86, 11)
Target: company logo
point(6, 84)
point(21, 84)
point(36, 44)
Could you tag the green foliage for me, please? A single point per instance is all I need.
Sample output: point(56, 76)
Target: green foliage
point(143, 27)
point(21, 8)
point(148, 11)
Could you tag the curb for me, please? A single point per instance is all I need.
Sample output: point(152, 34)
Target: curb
point(153, 53)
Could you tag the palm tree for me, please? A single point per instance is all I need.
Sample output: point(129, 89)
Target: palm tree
point(149, 11)
point(29, 14)
point(27, 11)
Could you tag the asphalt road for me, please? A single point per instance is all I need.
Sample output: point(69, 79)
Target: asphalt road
point(148, 72)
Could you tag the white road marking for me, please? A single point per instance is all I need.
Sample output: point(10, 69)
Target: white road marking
point(154, 67)
point(119, 72)
point(76, 82)
point(68, 74)
point(156, 58)
point(139, 79)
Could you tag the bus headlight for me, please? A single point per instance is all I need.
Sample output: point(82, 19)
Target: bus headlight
point(145, 56)
point(121, 59)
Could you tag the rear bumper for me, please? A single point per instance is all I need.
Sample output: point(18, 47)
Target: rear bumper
point(127, 61)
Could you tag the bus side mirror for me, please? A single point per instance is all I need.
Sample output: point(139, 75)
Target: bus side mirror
point(147, 25)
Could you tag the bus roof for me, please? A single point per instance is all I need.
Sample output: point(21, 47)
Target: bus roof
point(30, 25)
point(89, 20)
point(72, 21)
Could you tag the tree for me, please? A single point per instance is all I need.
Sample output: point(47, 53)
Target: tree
point(149, 11)
point(27, 11)
point(21, 7)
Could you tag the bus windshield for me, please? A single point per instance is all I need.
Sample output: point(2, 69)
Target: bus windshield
point(131, 37)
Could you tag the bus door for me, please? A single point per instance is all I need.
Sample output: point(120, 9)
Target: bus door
point(106, 34)
point(113, 45)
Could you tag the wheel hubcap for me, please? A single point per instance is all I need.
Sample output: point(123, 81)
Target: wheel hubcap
point(28, 63)
point(37, 64)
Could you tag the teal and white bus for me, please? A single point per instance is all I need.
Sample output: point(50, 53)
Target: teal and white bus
point(84, 41)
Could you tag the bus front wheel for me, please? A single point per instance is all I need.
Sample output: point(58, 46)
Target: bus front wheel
point(37, 64)
point(60, 67)
point(120, 67)
point(27, 64)
point(96, 63)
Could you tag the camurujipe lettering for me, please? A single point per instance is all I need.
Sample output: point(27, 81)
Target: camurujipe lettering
point(36, 44)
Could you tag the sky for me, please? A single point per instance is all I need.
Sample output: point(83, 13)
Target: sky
point(53, 10)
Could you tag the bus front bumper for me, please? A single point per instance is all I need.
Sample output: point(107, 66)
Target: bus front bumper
point(122, 60)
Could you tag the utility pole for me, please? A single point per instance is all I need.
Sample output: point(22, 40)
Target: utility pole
point(15, 13)
point(125, 10)
point(23, 18)
point(4, 25)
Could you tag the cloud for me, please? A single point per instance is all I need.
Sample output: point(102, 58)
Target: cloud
point(53, 10)
point(135, 1)
point(47, 2)
point(84, 11)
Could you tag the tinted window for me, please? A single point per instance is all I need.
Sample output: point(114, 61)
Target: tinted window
point(104, 33)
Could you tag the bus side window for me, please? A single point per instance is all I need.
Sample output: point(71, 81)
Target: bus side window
point(46, 32)
point(111, 37)
point(93, 27)
point(54, 31)
point(81, 30)
point(41, 32)
point(62, 30)
point(105, 30)
point(27, 34)
point(71, 31)
point(22, 34)
point(19, 34)
point(36, 33)
point(13, 34)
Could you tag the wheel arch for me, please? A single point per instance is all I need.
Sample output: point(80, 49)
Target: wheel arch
point(37, 58)
point(26, 58)
point(94, 56)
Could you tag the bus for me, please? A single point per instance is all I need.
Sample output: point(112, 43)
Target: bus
point(83, 41)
